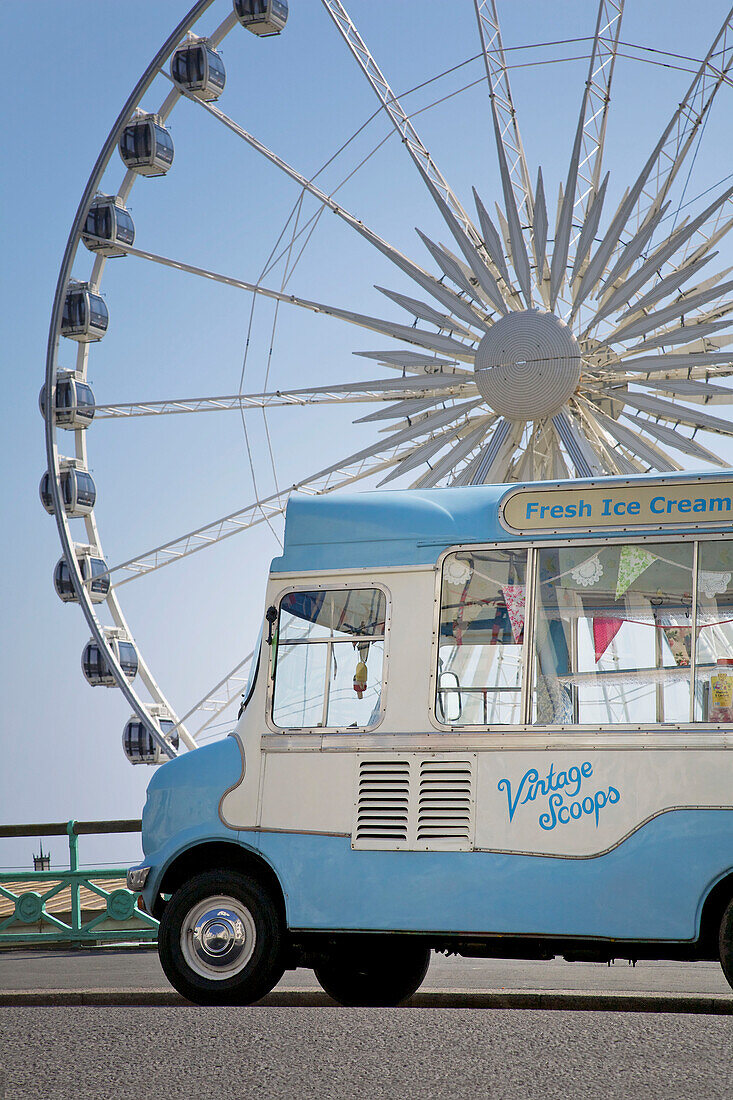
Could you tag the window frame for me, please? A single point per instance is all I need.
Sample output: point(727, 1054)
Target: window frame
point(314, 586)
point(533, 546)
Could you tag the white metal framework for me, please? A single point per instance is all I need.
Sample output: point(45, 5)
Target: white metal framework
point(586, 345)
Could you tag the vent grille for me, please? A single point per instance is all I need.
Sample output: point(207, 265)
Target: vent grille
point(416, 802)
point(444, 802)
point(383, 801)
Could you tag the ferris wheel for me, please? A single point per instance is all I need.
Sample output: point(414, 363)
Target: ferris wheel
point(535, 346)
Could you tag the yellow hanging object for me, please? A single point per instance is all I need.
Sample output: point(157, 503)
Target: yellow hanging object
point(360, 679)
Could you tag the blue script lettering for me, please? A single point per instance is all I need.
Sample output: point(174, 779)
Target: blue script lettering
point(591, 806)
point(558, 787)
point(530, 785)
point(505, 785)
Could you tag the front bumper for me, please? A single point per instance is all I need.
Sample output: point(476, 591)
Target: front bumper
point(137, 877)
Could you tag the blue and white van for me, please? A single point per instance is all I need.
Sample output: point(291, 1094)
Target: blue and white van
point(494, 721)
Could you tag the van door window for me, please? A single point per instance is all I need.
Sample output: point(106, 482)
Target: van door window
point(479, 681)
point(329, 657)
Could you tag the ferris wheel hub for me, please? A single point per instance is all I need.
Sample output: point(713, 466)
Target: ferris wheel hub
point(528, 365)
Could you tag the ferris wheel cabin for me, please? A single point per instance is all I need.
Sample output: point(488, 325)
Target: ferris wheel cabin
point(262, 17)
point(94, 575)
point(108, 225)
point(73, 401)
point(146, 147)
point(138, 743)
point(198, 69)
point(97, 669)
point(85, 316)
point(78, 491)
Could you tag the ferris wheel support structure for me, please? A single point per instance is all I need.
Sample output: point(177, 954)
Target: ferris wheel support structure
point(497, 393)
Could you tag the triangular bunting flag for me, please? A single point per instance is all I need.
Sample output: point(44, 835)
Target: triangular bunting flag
point(514, 595)
point(604, 631)
point(632, 562)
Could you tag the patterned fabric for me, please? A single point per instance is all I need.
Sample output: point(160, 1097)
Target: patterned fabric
point(633, 560)
point(554, 707)
point(514, 597)
point(604, 631)
point(679, 640)
point(588, 572)
point(712, 584)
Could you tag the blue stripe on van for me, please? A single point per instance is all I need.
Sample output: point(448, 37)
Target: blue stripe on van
point(650, 887)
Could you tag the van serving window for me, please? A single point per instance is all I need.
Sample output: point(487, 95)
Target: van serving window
point(328, 659)
point(619, 634)
point(613, 634)
point(479, 678)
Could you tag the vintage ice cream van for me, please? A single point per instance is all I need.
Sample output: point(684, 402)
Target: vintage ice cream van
point(494, 720)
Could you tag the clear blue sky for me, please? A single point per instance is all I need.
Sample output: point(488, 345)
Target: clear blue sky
point(71, 67)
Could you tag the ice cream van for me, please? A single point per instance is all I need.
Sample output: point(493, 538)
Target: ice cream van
point(495, 721)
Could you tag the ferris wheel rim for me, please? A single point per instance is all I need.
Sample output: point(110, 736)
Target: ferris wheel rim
point(50, 427)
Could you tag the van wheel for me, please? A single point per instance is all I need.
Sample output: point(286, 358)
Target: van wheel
point(220, 939)
point(380, 973)
point(726, 943)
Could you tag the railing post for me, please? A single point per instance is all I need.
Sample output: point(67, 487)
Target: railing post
point(74, 866)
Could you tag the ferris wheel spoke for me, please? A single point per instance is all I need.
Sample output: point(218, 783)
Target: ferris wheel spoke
point(381, 389)
point(218, 698)
point(425, 312)
point(659, 172)
point(629, 254)
point(586, 238)
point(594, 109)
point(683, 334)
point(683, 306)
point(690, 390)
point(606, 451)
point(409, 267)
point(434, 341)
point(577, 445)
point(678, 414)
point(672, 438)
point(492, 242)
point(661, 255)
point(494, 456)
point(474, 432)
point(664, 287)
point(421, 453)
point(405, 409)
point(650, 364)
point(426, 166)
point(497, 75)
point(416, 362)
point(364, 463)
point(633, 441)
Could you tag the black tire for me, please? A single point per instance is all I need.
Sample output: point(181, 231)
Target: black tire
point(232, 952)
point(725, 943)
point(379, 972)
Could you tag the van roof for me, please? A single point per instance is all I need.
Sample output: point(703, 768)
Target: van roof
point(413, 526)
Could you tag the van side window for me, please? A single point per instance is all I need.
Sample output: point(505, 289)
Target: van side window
point(613, 634)
point(479, 679)
point(328, 659)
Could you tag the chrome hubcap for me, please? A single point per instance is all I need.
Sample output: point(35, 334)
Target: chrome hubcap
point(218, 937)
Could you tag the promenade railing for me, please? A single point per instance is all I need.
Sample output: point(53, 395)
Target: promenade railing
point(78, 906)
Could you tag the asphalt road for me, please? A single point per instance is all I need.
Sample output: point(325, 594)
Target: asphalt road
point(362, 1054)
point(109, 968)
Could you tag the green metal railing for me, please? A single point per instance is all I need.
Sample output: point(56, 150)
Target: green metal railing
point(29, 892)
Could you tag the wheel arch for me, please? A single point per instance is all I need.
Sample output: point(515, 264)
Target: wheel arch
point(220, 853)
point(713, 907)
